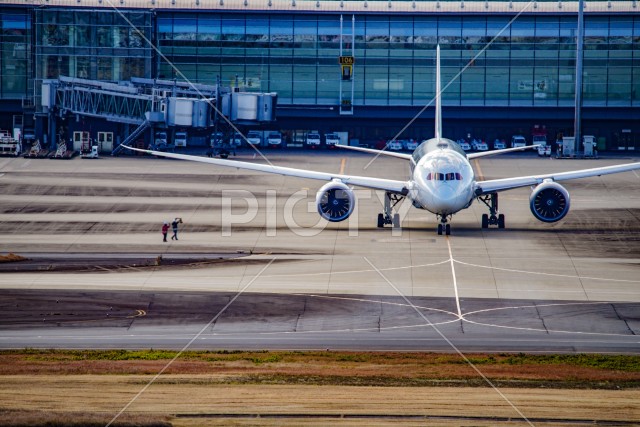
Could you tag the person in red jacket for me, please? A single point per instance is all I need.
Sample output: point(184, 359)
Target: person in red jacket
point(165, 230)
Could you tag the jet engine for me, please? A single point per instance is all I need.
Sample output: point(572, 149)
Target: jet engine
point(335, 201)
point(549, 202)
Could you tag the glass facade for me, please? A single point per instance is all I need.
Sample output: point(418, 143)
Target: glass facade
point(522, 69)
point(486, 60)
point(100, 44)
point(15, 54)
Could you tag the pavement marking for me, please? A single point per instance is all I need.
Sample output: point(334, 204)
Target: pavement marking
point(455, 282)
point(195, 337)
point(139, 313)
point(448, 341)
point(343, 163)
point(374, 302)
point(546, 274)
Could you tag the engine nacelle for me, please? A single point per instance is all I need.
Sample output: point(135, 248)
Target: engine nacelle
point(335, 201)
point(549, 202)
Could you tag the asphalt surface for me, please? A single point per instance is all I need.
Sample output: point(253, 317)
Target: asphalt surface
point(255, 268)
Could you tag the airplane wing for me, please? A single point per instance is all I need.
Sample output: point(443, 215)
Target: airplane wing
point(493, 185)
point(399, 187)
point(380, 152)
point(496, 152)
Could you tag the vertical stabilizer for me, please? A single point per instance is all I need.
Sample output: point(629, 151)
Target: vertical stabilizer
point(438, 96)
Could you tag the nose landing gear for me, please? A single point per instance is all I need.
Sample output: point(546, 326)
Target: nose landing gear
point(444, 226)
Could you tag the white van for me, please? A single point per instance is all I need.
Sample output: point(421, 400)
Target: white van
point(180, 139)
point(313, 139)
point(518, 141)
point(254, 137)
point(274, 139)
point(331, 139)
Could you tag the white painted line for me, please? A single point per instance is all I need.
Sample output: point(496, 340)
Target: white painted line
point(547, 274)
point(455, 282)
point(190, 342)
point(448, 341)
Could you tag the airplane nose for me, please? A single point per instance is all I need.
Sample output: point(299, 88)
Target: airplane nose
point(445, 192)
point(445, 198)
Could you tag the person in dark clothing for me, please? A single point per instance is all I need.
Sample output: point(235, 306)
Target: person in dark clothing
point(165, 230)
point(174, 227)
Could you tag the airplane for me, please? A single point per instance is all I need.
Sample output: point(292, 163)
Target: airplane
point(442, 181)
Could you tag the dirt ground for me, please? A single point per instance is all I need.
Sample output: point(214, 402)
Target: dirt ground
point(198, 399)
point(318, 389)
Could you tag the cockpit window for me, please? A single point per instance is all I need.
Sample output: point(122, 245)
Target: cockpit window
point(449, 176)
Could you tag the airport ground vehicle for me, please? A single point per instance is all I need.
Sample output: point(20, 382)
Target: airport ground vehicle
point(215, 139)
point(518, 141)
point(254, 137)
point(160, 138)
point(464, 144)
point(312, 140)
point(539, 138)
point(394, 145)
point(331, 139)
point(499, 144)
point(236, 140)
point(410, 144)
point(274, 139)
point(221, 147)
point(480, 145)
point(180, 139)
point(9, 146)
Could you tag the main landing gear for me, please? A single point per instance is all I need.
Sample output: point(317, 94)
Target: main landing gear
point(491, 200)
point(388, 217)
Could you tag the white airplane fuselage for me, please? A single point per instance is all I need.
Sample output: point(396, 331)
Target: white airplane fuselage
point(443, 181)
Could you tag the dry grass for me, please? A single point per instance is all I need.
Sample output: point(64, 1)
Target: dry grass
point(340, 368)
point(31, 418)
point(180, 397)
point(76, 388)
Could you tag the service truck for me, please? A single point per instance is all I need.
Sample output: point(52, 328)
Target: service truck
point(313, 139)
point(539, 137)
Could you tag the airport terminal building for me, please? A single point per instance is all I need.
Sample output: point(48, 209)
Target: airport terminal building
point(362, 67)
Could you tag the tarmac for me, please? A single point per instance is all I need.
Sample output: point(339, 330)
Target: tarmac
point(256, 267)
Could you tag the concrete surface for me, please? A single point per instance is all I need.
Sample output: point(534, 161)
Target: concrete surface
point(100, 215)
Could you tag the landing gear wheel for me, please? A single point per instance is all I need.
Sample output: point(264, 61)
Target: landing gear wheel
point(440, 229)
point(485, 221)
point(396, 221)
point(380, 220)
point(447, 230)
point(501, 221)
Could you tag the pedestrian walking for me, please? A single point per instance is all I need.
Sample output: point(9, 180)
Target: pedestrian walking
point(165, 230)
point(174, 227)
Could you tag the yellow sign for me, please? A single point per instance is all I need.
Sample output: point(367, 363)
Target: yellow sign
point(347, 71)
point(347, 60)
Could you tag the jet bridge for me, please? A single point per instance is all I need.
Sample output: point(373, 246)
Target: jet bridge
point(154, 103)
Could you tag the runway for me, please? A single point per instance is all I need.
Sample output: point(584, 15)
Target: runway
point(99, 275)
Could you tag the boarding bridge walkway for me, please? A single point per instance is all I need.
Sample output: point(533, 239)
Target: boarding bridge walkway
point(155, 103)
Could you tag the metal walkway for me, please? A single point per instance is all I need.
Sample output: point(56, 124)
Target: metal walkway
point(155, 103)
